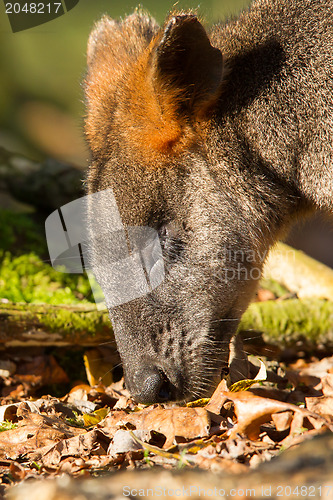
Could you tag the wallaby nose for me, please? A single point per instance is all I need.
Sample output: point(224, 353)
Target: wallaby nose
point(152, 387)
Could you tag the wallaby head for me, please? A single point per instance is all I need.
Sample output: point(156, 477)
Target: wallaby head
point(198, 136)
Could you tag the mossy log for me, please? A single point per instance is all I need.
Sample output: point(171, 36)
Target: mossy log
point(43, 324)
point(303, 323)
point(299, 273)
point(283, 323)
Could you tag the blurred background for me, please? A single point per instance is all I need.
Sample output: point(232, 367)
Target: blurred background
point(41, 101)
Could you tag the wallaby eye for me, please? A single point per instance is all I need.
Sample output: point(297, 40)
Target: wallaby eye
point(164, 234)
point(170, 240)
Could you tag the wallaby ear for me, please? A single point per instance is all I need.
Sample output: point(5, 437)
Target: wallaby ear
point(119, 42)
point(100, 37)
point(113, 49)
point(185, 62)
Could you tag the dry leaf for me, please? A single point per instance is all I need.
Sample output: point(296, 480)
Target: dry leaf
point(252, 411)
point(112, 422)
point(188, 423)
point(97, 368)
point(198, 403)
point(244, 385)
point(78, 446)
point(43, 436)
point(310, 374)
point(41, 370)
point(25, 439)
point(123, 441)
point(282, 420)
point(218, 464)
point(327, 384)
point(17, 471)
point(322, 405)
point(9, 412)
point(218, 398)
point(95, 417)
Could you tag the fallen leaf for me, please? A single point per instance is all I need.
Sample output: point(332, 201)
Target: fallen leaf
point(78, 446)
point(218, 464)
point(123, 403)
point(217, 400)
point(188, 423)
point(97, 368)
point(41, 370)
point(25, 439)
point(327, 384)
point(95, 417)
point(252, 411)
point(157, 451)
point(17, 471)
point(244, 385)
point(9, 412)
point(322, 405)
point(282, 420)
point(124, 441)
point(310, 374)
point(33, 432)
point(198, 403)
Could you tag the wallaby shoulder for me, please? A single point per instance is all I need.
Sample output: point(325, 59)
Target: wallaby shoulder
point(278, 93)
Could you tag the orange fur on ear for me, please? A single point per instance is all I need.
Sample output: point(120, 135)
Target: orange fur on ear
point(152, 119)
point(149, 89)
point(107, 60)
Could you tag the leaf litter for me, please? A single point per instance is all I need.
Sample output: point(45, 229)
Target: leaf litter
point(95, 429)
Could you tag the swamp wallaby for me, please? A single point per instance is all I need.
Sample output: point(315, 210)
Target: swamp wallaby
point(218, 140)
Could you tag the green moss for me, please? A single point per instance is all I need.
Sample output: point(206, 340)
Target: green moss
point(91, 322)
point(274, 287)
point(28, 279)
point(287, 321)
point(75, 322)
point(24, 276)
point(6, 425)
